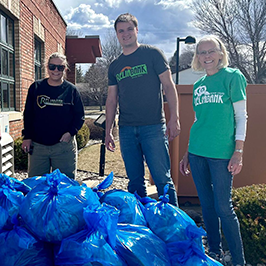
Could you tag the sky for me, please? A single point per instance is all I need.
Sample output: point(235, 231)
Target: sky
point(160, 21)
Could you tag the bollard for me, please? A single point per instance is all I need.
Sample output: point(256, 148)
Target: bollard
point(100, 122)
point(102, 156)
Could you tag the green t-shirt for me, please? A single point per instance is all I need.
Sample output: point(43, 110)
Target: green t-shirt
point(213, 132)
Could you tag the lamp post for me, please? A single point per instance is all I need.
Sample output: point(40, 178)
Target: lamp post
point(187, 40)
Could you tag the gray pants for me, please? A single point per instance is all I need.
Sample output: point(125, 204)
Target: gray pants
point(45, 159)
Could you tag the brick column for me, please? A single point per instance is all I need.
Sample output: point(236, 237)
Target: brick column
point(71, 73)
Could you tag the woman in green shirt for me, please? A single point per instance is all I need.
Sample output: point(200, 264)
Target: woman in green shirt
point(216, 144)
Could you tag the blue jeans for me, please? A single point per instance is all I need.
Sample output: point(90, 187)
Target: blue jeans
point(214, 186)
point(147, 143)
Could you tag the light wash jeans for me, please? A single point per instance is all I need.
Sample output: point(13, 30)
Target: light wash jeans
point(214, 186)
point(147, 143)
point(62, 156)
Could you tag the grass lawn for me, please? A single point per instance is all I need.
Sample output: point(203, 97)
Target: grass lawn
point(89, 160)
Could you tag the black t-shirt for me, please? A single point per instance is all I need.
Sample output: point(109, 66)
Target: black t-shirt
point(139, 86)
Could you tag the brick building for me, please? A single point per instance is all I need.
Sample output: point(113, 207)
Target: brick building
point(30, 30)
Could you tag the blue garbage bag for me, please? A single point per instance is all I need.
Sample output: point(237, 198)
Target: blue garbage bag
point(36, 180)
point(107, 182)
point(168, 221)
point(186, 253)
point(53, 209)
point(10, 202)
point(20, 248)
point(180, 233)
point(14, 184)
point(103, 219)
point(3, 217)
point(93, 245)
point(138, 245)
point(127, 204)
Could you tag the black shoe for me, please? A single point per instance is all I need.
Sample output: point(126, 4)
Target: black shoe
point(217, 257)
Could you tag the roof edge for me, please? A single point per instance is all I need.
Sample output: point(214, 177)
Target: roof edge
point(58, 12)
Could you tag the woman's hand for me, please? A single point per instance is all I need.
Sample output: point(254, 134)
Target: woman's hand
point(235, 164)
point(26, 145)
point(183, 165)
point(66, 137)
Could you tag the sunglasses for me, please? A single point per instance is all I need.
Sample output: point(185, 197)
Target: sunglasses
point(59, 67)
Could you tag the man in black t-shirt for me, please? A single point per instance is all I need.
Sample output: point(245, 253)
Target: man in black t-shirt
point(135, 80)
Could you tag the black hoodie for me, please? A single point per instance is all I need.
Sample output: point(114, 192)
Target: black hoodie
point(51, 111)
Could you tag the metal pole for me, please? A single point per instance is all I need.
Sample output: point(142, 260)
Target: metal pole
point(102, 156)
point(177, 61)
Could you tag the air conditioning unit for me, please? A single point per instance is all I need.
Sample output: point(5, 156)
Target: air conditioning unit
point(6, 147)
point(4, 123)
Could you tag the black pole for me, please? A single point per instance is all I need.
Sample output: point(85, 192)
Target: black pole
point(177, 61)
point(102, 156)
point(187, 40)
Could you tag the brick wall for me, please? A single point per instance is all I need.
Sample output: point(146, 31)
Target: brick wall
point(40, 19)
point(11, 5)
point(15, 127)
point(51, 29)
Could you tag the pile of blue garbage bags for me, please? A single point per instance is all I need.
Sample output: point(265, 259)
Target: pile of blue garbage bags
point(53, 220)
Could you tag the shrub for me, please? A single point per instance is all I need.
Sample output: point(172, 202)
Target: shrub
point(20, 157)
point(83, 136)
point(250, 207)
point(96, 132)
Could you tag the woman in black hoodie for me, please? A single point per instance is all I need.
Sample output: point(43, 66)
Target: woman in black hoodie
point(53, 115)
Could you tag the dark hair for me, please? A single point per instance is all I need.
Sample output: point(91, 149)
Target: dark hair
point(127, 17)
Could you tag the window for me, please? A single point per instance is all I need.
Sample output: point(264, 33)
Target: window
point(7, 78)
point(38, 59)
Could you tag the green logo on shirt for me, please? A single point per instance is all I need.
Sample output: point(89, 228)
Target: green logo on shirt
point(132, 72)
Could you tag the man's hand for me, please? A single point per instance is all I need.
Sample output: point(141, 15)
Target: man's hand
point(109, 142)
point(173, 129)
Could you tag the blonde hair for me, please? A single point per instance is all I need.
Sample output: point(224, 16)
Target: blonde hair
point(195, 64)
point(63, 58)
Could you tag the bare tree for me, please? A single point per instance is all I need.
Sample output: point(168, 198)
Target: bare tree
point(111, 48)
point(241, 24)
point(70, 32)
point(185, 59)
point(96, 78)
point(79, 74)
point(95, 86)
